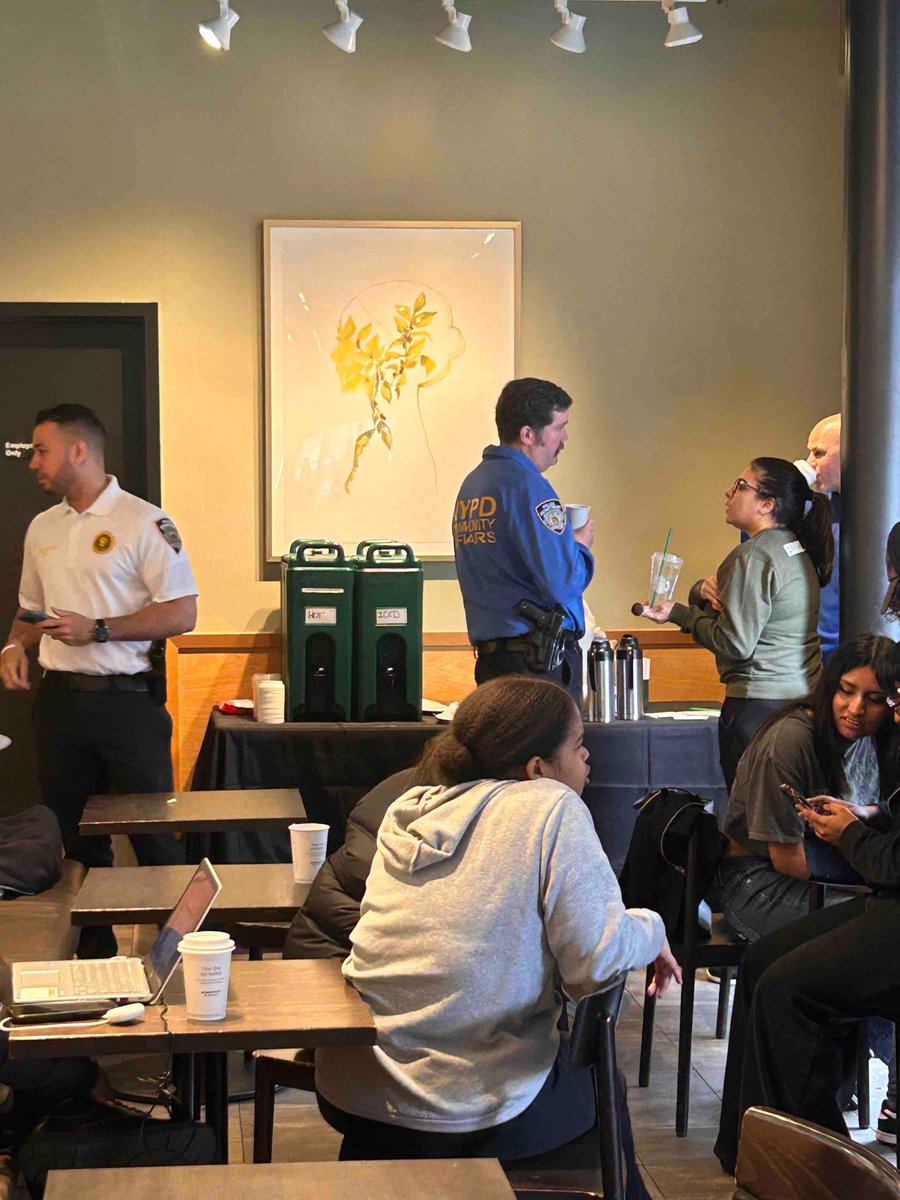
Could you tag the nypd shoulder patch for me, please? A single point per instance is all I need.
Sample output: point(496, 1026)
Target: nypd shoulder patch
point(552, 514)
point(166, 527)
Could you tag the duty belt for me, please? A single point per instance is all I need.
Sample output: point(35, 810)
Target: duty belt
point(518, 644)
point(76, 681)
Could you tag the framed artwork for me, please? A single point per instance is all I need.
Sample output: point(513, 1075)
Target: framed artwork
point(386, 346)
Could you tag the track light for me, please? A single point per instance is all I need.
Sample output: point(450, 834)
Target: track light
point(570, 35)
point(681, 31)
point(343, 32)
point(217, 33)
point(456, 33)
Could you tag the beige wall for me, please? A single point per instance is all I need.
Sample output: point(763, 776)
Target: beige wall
point(681, 219)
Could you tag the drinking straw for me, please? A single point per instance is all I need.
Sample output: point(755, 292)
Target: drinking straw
point(661, 566)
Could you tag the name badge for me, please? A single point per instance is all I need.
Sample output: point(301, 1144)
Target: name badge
point(793, 548)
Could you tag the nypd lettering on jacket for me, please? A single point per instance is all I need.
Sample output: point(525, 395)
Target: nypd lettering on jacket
point(512, 542)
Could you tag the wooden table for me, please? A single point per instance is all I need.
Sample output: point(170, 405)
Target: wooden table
point(193, 813)
point(445, 1179)
point(272, 1004)
point(147, 895)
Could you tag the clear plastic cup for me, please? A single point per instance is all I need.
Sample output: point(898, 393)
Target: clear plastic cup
point(309, 842)
point(206, 960)
point(664, 572)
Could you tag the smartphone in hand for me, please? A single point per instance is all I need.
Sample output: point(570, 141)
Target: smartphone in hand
point(31, 616)
point(816, 806)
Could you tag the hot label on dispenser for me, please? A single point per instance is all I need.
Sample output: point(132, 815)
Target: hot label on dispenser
point(321, 616)
point(390, 616)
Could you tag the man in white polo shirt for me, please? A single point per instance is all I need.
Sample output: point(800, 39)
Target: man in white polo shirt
point(111, 574)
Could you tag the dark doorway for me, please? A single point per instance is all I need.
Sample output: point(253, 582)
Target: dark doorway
point(101, 355)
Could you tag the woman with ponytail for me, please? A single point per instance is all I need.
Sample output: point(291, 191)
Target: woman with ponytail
point(759, 612)
point(488, 892)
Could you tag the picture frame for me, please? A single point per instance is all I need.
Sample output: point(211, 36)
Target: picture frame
point(386, 344)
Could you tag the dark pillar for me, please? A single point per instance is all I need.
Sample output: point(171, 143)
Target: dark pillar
point(870, 490)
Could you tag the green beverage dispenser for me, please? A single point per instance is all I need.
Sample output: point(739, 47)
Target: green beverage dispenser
point(387, 683)
point(317, 631)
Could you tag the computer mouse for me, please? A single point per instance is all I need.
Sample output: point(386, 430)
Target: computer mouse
point(124, 1014)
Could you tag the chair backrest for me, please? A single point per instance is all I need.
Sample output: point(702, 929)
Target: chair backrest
point(785, 1158)
point(593, 1043)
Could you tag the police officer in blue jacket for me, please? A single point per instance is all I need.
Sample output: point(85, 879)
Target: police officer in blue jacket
point(512, 540)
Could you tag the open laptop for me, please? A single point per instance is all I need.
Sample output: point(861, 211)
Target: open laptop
point(87, 980)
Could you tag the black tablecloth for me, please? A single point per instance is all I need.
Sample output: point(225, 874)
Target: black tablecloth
point(336, 764)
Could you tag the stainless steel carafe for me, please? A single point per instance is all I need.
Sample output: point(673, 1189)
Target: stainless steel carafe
point(629, 679)
point(602, 676)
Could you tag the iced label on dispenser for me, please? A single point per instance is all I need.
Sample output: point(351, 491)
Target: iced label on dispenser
point(321, 616)
point(390, 616)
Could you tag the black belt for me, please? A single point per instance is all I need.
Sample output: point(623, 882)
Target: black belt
point(75, 681)
point(518, 644)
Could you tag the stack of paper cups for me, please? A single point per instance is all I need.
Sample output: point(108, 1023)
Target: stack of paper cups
point(308, 844)
point(207, 965)
point(257, 678)
point(270, 702)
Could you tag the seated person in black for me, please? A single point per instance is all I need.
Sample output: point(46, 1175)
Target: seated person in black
point(40, 1084)
point(802, 990)
point(322, 927)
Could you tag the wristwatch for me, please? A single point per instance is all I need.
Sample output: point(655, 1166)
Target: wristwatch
point(101, 631)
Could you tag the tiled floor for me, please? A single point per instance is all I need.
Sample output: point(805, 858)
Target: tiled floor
point(674, 1168)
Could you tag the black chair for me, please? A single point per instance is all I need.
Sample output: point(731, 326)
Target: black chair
point(551, 1175)
point(724, 949)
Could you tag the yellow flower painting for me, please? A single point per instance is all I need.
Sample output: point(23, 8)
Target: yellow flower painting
point(386, 346)
point(399, 343)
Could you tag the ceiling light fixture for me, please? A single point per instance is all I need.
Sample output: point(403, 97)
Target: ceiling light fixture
point(570, 35)
point(217, 33)
point(456, 33)
point(343, 32)
point(681, 31)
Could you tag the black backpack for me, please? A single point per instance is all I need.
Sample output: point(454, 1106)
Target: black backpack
point(655, 867)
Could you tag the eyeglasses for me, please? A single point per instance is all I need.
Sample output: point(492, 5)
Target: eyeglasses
point(741, 485)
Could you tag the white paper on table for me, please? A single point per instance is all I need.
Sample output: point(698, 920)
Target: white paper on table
point(683, 716)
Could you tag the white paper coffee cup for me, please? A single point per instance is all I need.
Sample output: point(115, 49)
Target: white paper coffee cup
point(257, 680)
point(270, 701)
point(309, 842)
point(578, 514)
point(206, 959)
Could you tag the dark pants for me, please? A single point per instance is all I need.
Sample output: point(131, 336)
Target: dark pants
point(800, 993)
point(47, 1081)
point(738, 722)
point(563, 1110)
point(512, 662)
point(91, 743)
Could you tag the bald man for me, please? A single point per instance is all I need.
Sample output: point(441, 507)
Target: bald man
point(824, 447)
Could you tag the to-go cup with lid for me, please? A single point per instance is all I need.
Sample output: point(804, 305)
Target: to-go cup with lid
point(206, 958)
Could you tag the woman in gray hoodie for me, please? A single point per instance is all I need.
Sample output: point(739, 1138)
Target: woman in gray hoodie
point(487, 892)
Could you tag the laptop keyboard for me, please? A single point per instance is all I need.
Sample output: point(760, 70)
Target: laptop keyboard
point(104, 977)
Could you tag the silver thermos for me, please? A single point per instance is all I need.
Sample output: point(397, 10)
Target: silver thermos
point(602, 676)
point(629, 679)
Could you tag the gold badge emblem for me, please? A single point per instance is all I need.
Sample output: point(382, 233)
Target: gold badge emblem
point(104, 542)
